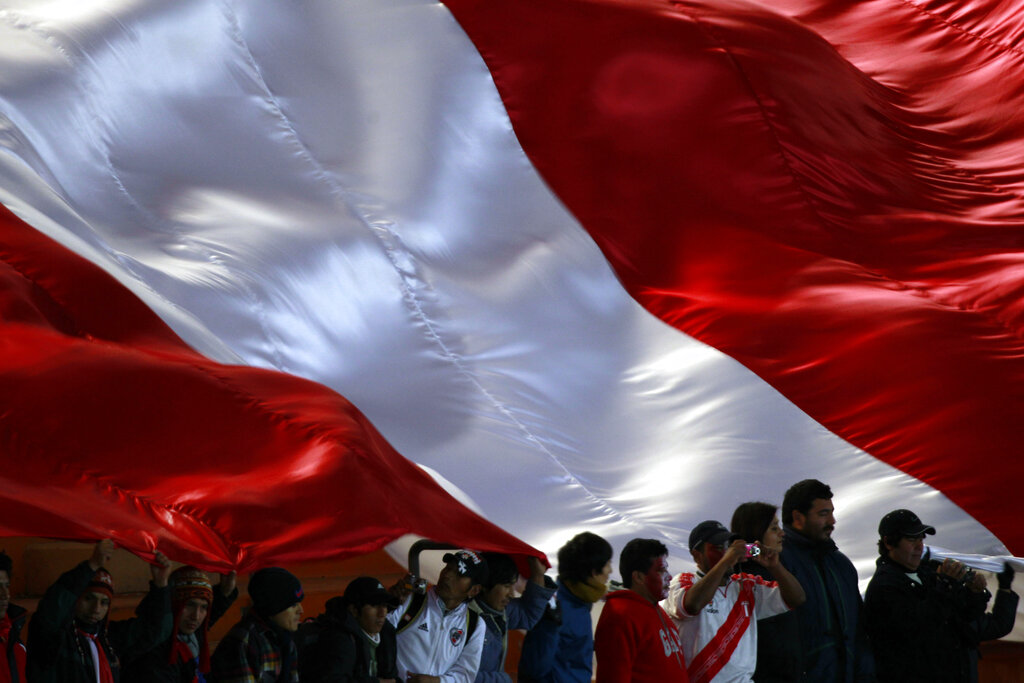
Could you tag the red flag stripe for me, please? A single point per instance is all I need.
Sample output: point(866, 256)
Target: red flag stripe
point(855, 242)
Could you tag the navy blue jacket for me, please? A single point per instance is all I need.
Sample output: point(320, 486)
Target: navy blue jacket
point(833, 640)
point(560, 652)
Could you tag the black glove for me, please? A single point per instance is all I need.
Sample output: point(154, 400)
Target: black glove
point(1005, 577)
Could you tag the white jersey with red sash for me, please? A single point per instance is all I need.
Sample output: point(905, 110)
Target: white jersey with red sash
point(720, 642)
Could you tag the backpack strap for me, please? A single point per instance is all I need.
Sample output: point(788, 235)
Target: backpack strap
point(416, 605)
point(472, 617)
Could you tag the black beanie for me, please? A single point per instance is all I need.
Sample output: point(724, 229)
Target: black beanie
point(274, 590)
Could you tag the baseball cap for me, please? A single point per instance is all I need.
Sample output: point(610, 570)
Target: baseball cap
point(903, 523)
point(469, 563)
point(709, 531)
point(367, 590)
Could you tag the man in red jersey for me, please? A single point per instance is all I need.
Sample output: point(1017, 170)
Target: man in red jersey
point(635, 639)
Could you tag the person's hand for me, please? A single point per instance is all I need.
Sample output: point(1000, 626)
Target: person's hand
point(228, 582)
point(736, 552)
point(536, 570)
point(953, 569)
point(161, 569)
point(101, 554)
point(768, 558)
point(1005, 577)
point(403, 587)
point(978, 583)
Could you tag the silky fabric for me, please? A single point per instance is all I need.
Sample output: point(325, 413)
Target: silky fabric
point(345, 192)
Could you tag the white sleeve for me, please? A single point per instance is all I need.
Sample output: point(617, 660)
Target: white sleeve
point(769, 600)
point(396, 614)
point(465, 667)
point(673, 604)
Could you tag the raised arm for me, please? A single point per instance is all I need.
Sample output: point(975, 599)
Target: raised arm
point(703, 590)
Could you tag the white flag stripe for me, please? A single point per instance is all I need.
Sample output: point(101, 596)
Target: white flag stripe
point(335, 191)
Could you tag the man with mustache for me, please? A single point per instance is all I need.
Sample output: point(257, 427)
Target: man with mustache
point(833, 644)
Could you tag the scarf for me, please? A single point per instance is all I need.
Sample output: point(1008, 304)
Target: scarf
point(99, 657)
point(590, 590)
point(188, 649)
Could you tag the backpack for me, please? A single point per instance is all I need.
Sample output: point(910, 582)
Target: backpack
point(419, 603)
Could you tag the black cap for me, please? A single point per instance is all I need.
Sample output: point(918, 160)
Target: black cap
point(469, 564)
point(274, 590)
point(899, 523)
point(367, 590)
point(709, 531)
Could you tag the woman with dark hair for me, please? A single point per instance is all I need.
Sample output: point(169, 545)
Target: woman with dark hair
point(560, 649)
point(778, 637)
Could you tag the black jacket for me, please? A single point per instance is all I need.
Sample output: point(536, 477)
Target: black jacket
point(156, 666)
point(334, 649)
point(920, 631)
point(58, 654)
point(992, 626)
point(778, 640)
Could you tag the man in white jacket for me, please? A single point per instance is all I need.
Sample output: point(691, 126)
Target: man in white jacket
point(439, 637)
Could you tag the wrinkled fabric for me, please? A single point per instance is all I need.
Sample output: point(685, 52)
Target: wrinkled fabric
point(474, 220)
point(112, 427)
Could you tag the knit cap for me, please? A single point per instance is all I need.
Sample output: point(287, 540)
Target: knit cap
point(101, 582)
point(187, 583)
point(274, 590)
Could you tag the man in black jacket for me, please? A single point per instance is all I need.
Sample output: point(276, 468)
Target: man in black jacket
point(352, 640)
point(919, 613)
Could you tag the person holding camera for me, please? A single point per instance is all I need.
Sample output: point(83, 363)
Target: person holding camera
point(716, 610)
point(920, 612)
point(778, 637)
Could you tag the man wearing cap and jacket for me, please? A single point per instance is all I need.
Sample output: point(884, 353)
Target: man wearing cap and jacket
point(352, 640)
point(261, 647)
point(439, 638)
point(716, 609)
point(918, 611)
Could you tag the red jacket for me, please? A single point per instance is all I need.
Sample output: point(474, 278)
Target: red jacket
point(636, 641)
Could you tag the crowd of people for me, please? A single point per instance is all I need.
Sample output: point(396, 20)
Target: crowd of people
point(768, 602)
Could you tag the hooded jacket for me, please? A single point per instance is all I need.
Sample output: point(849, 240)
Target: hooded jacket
point(636, 641)
point(833, 641)
point(337, 650)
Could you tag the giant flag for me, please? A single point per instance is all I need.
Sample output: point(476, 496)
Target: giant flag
point(615, 265)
